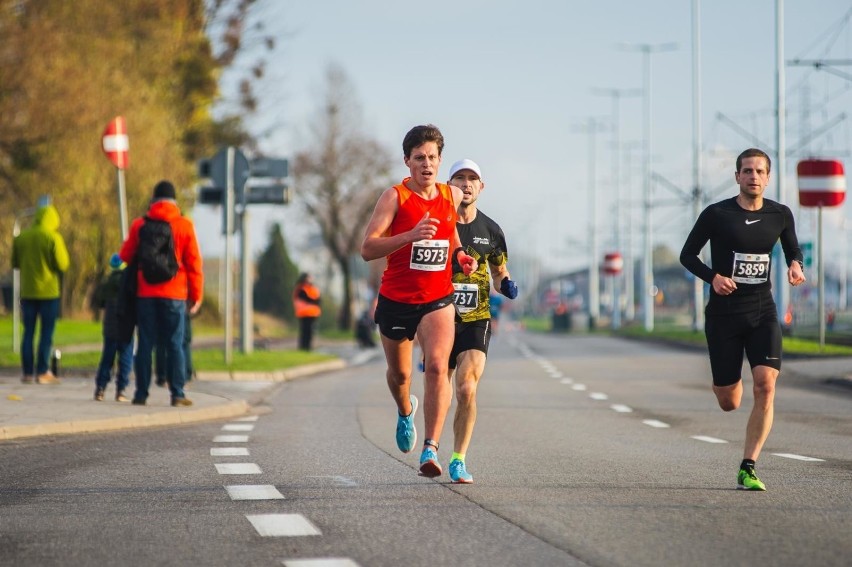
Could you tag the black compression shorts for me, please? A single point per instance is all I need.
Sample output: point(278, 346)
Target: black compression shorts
point(471, 336)
point(399, 321)
point(757, 333)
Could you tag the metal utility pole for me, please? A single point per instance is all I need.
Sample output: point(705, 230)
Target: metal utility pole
point(616, 95)
point(697, 194)
point(229, 272)
point(594, 262)
point(246, 315)
point(629, 258)
point(782, 290)
point(647, 49)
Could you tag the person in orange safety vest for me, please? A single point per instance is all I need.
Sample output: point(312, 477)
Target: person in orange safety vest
point(306, 304)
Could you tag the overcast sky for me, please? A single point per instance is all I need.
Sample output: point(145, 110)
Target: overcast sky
point(512, 86)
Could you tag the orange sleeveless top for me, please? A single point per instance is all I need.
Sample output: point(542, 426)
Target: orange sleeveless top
point(421, 272)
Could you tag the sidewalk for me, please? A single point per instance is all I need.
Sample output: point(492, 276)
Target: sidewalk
point(32, 410)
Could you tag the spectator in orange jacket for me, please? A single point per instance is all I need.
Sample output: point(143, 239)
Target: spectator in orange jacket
point(161, 307)
point(306, 304)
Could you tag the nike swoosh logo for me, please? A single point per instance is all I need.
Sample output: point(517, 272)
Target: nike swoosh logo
point(753, 221)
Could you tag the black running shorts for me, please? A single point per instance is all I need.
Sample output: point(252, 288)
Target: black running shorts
point(471, 336)
point(399, 321)
point(757, 333)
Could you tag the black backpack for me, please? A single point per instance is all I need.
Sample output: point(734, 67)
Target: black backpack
point(156, 252)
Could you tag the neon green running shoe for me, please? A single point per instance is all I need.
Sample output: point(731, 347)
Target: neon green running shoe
point(747, 480)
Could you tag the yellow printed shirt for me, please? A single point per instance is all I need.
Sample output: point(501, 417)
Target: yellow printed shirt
point(483, 239)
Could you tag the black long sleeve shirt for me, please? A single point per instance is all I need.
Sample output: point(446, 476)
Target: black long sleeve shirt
point(741, 243)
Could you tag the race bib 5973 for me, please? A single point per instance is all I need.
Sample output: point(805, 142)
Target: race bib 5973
point(429, 255)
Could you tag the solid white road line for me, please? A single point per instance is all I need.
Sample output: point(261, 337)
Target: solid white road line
point(621, 408)
point(655, 423)
point(238, 468)
point(338, 480)
point(321, 562)
point(707, 439)
point(230, 438)
point(228, 452)
point(253, 492)
point(799, 457)
point(282, 525)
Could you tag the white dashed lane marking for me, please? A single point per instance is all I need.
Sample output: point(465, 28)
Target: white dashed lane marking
point(282, 525)
point(247, 418)
point(231, 439)
point(229, 452)
point(548, 367)
point(238, 468)
point(238, 427)
point(707, 439)
point(799, 457)
point(253, 492)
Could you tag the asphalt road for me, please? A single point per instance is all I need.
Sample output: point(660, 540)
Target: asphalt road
point(587, 451)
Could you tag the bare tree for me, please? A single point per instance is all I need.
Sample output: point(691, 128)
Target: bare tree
point(340, 177)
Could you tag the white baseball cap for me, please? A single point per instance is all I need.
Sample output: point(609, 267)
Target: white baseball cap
point(465, 164)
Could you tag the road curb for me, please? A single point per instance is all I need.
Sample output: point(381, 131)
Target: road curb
point(274, 376)
point(158, 419)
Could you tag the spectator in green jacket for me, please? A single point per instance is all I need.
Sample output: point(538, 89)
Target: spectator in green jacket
point(40, 254)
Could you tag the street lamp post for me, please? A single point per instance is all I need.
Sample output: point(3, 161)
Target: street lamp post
point(647, 49)
point(780, 285)
point(697, 196)
point(616, 95)
point(594, 267)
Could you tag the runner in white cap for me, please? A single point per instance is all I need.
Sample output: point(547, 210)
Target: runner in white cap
point(483, 239)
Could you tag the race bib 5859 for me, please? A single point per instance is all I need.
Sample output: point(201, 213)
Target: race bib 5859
point(750, 268)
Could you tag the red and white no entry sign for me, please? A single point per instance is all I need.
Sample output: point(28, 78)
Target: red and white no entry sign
point(116, 143)
point(613, 263)
point(822, 182)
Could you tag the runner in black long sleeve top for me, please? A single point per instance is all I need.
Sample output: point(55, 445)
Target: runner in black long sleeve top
point(741, 316)
point(731, 229)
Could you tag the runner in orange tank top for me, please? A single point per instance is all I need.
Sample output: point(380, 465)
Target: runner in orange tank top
point(414, 226)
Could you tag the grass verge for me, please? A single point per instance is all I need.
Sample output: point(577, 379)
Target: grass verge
point(87, 334)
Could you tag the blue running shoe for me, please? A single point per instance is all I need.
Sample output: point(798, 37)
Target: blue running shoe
point(429, 465)
point(459, 474)
point(406, 434)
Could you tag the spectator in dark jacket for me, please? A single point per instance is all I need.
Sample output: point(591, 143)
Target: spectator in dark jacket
point(106, 297)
